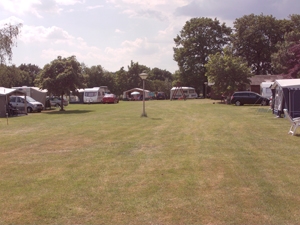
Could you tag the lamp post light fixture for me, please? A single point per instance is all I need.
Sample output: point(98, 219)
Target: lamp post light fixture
point(143, 76)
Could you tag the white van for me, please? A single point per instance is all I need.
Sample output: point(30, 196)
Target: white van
point(95, 94)
point(29, 106)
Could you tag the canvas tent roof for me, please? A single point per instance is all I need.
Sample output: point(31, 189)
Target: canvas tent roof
point(9, 91)
point(286, 94)
point(287, 83)
point(147, 92)
point(4, 93)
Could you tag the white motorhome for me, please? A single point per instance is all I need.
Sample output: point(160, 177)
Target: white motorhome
point(189, 92)
point(265, 89)
point(95, 94)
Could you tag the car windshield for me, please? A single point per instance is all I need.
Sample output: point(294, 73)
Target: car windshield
point(29, 99)
point(109, 95)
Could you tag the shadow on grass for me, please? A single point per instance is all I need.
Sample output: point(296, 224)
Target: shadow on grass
point(68, 112)
point(156, 118)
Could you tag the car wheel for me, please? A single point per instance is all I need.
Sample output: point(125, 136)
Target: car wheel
point(29, 110)
point(238, 103)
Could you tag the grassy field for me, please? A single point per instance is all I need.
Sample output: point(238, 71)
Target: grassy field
point(188, 162)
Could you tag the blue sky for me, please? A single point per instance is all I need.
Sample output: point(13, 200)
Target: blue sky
point(111, 33)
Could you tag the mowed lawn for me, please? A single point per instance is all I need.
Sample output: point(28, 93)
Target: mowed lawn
point(188, 162)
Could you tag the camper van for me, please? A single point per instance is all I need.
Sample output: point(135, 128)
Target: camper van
point(189, 92)
point(95, 94)
point(265, 89)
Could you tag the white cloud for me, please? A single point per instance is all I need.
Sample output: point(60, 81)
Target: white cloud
point(95, 7)
point(69, 2)
point(40, 34)
point(11, 20)
point(20, 7)
point(118, 31)
point(36, 7)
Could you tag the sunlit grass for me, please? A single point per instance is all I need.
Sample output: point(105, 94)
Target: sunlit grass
point(188, 162)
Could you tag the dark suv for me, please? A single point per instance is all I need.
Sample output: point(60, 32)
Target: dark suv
point(160, 96)
point(248, 97)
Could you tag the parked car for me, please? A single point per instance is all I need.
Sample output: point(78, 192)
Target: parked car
point(56, 101)
point(248, 97)
point(110, 98)
point(18, 102)
point(160, 96)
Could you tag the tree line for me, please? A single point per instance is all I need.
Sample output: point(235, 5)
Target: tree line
point(64, 75)
point(205, 51)
point(208, 51)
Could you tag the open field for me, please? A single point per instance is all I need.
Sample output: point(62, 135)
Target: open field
point(188, 162)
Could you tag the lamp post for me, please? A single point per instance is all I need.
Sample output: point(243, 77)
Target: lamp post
point(205, 92)
point(144, 77)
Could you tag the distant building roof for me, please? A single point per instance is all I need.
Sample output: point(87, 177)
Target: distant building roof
point(258, 79)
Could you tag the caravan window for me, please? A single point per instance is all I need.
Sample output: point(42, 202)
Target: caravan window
point(90, 94)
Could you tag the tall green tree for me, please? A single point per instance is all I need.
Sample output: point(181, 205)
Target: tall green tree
point(8, 34)
point(94, 76)
point(121, 81)
point(134, 71)
point(287, 59)
point(159, 74)
point(199, 38)
point(159, 80)
point(11, 76)
point(30, 73)
point(61, 76)
point(283, 57)
point(255, 40)
point(228, 72)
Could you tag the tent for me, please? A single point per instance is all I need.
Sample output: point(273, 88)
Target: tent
point(286, 95)
point(35, 93)
point(127, 94)
point(4, 98)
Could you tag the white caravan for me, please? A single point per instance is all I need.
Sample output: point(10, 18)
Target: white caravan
point(189, 92)
point(95, 94)
point(265, 89)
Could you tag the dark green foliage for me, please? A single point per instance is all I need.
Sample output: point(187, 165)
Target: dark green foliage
point(11, 76)
point(228, 72)
point(61, 76)
point(30, 72)
point(199, 38)
point(255, 40)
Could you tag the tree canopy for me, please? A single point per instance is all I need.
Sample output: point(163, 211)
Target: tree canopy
point(228, 72)
point(287, 59)
point(199, 38)
point(256, 37)
point(8, 34)
point(61, 76)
